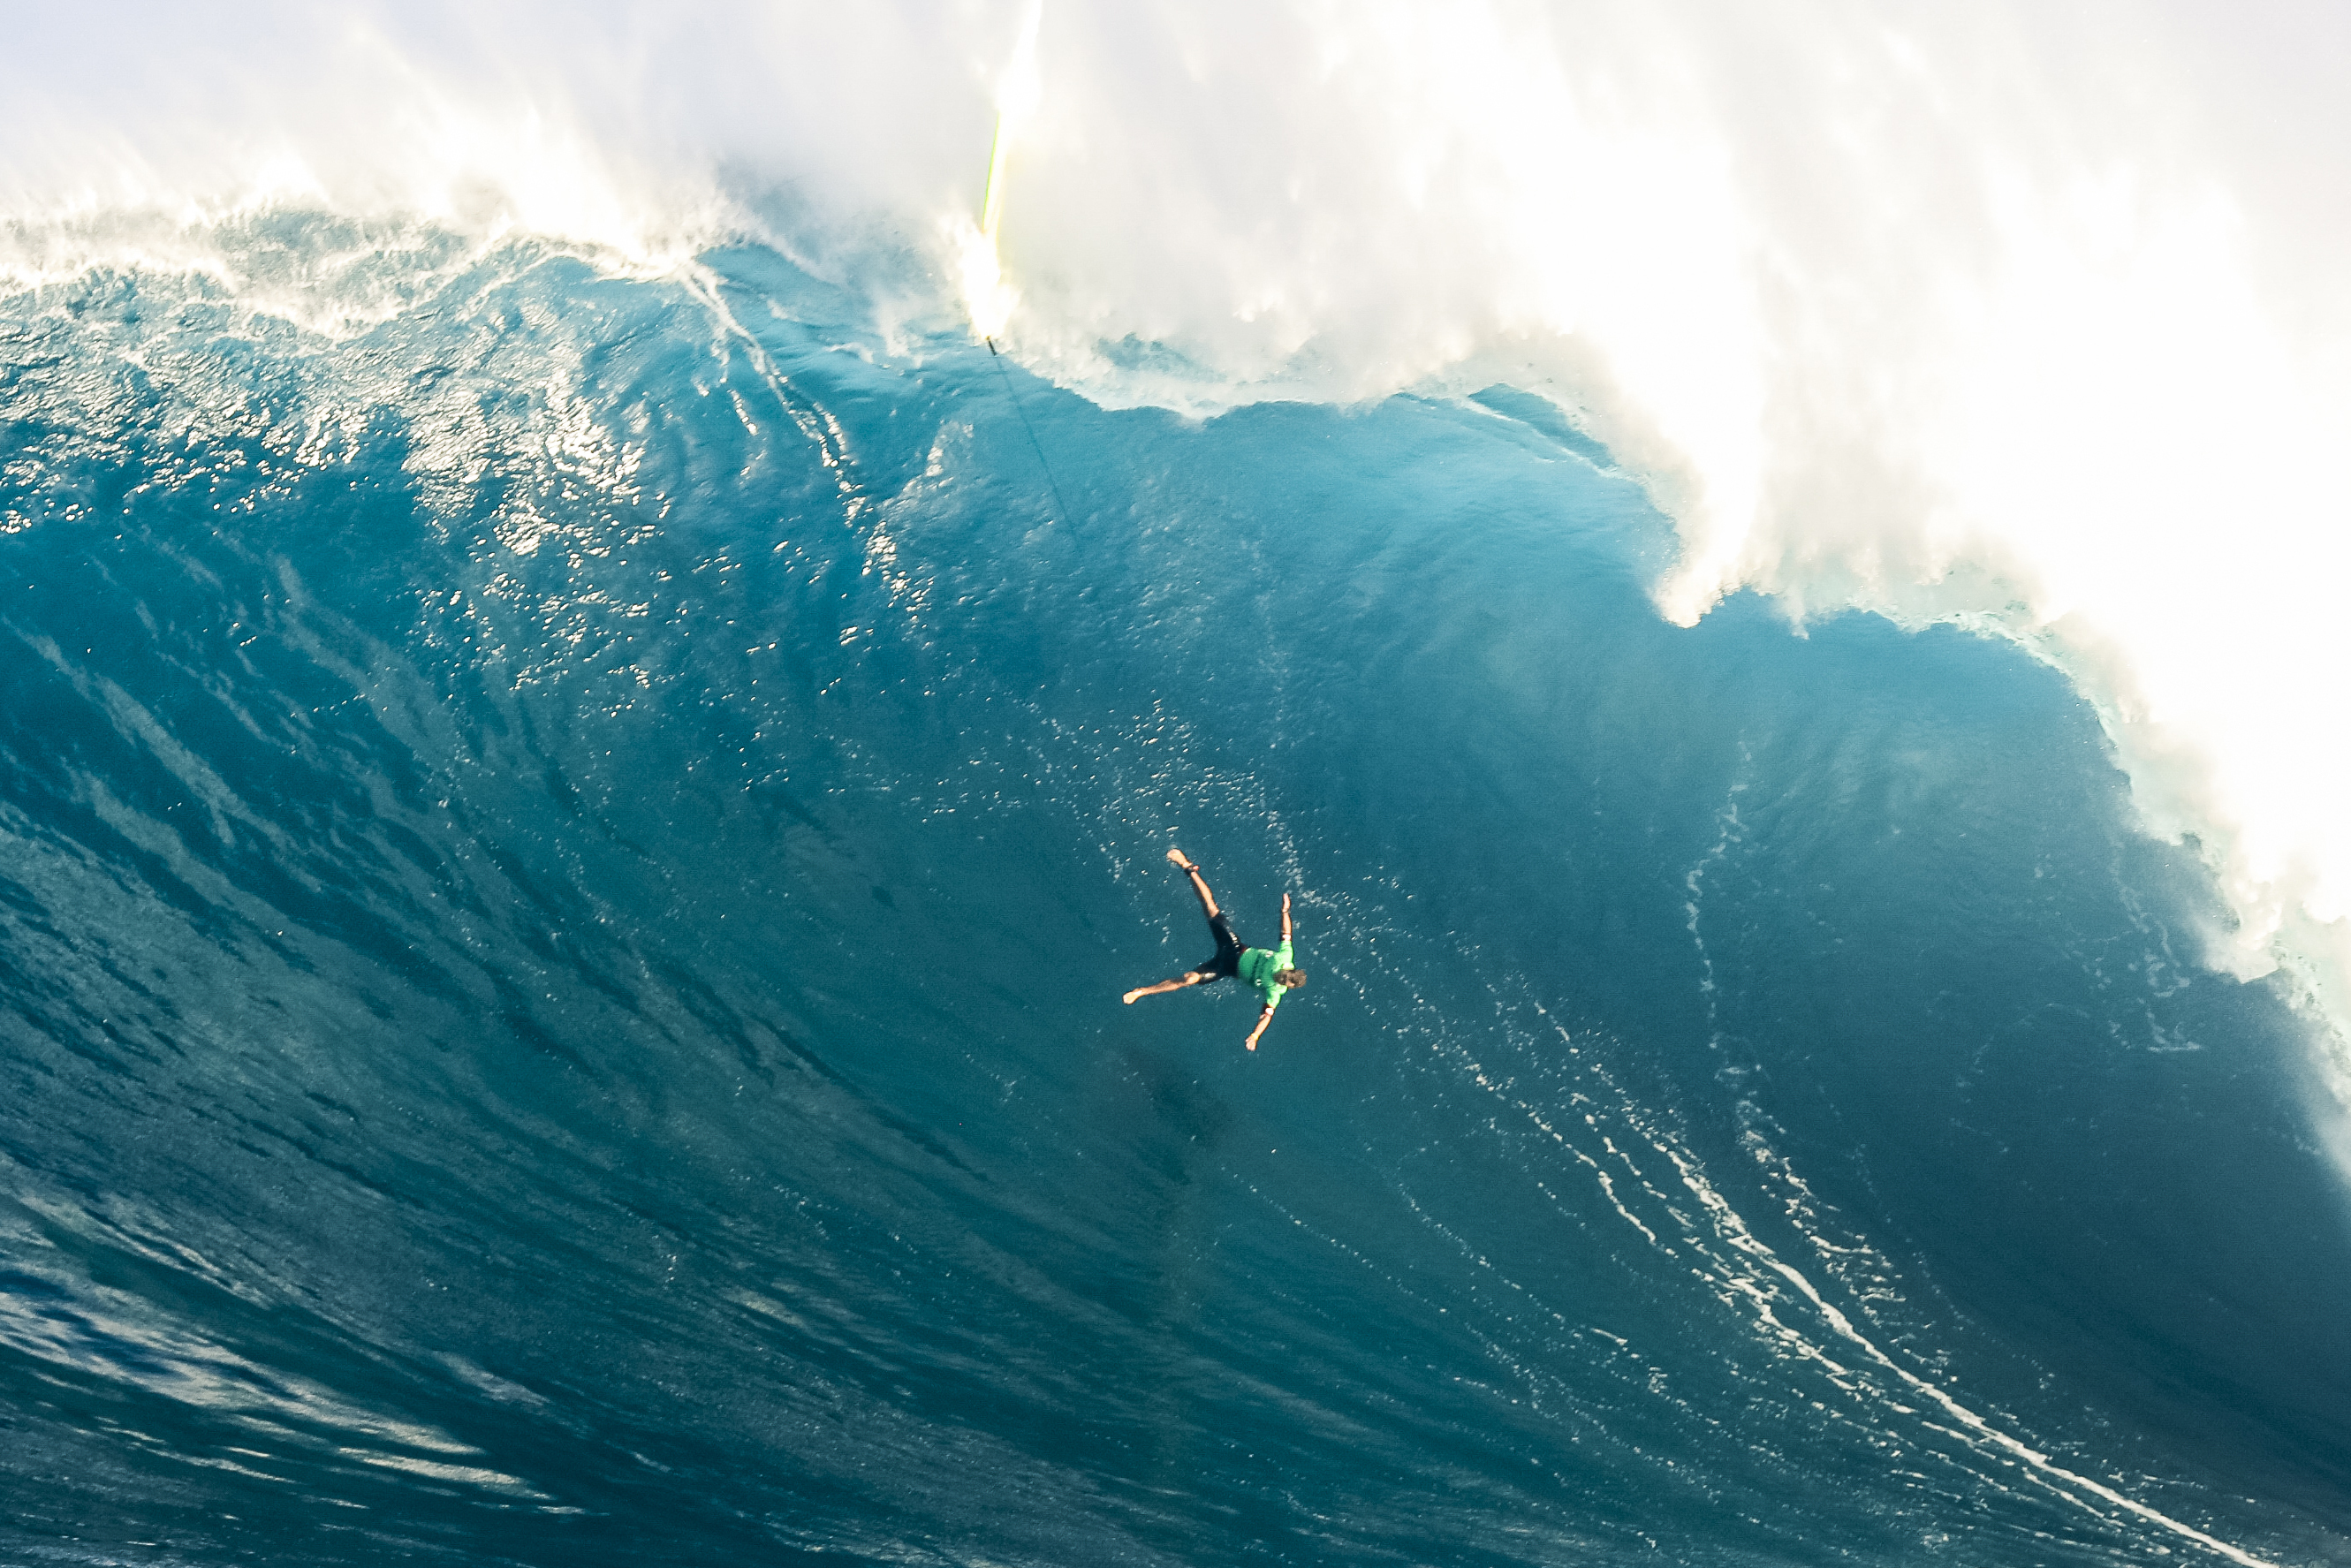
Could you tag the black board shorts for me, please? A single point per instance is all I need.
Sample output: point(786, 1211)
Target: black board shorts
point(1227, 959)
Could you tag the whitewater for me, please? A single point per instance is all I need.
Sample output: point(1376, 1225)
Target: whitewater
point(609, 616)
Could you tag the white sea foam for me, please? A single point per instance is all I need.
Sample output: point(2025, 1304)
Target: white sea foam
point(2027, 317)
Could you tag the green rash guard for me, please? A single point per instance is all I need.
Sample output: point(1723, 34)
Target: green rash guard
point(1258, 967)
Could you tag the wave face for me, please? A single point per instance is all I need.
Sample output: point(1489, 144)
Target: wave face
point(570, 856)
point(2023, 320)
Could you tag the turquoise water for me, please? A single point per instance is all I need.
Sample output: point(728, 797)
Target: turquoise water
point(570, 860)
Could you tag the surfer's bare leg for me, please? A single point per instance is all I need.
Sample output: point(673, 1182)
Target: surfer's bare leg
point(1199, 883)
point(1208, 905)
point(1189, 977)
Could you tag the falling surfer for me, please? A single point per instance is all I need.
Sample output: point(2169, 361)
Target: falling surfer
point(1268, 969)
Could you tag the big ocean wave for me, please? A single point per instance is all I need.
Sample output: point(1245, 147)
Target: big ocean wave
point(586, 763)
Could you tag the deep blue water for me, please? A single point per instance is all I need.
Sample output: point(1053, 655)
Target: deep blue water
point(570, 861)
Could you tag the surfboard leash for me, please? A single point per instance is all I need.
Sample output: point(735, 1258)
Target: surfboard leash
point(1051, 483)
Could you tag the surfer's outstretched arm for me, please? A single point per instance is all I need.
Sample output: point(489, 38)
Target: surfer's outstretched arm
point(1199, 883)
point(1266, 1017)
point(1189, 977)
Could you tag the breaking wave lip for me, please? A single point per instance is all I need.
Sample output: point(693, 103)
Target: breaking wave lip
point(1924, 347)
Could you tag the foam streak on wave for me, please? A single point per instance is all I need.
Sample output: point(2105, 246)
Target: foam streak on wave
point(1746, 1279)
point(1728, 1226)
